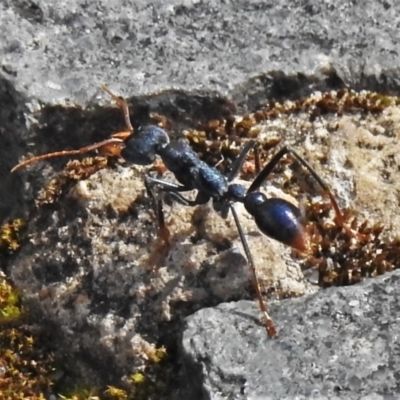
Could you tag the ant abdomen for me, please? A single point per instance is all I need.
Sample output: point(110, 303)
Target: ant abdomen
point(278, 219)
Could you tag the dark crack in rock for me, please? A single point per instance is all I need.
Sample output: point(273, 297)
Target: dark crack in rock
point(13, 194)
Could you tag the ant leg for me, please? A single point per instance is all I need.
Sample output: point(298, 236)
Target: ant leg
point(175, 190)
point(112, 146)
point(167, 186)
point(163, 231)
point(269, 325)
point(122, 104)
point(263, 175)
point(238, 163)
point(257, 161)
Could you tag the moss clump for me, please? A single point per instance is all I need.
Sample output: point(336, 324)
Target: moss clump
point(24, 367)
point(154, 380)
point(116, 394)
point(223, 139)
point(346, 256)
point(340, 102)
point(11, 234)
point(81, 393)
point(10, 308)
point(74, 171)
point(157, 379)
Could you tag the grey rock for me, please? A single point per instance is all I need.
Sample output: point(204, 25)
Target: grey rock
point(91, 267)
point(247, 50)
point(13, 194)
point(341, 343)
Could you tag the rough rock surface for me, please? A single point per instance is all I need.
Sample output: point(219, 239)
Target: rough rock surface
point(93, 268)
point(87, 269)
point(336, 344)
point(64, 49)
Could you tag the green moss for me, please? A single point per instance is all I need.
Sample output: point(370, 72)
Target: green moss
point(9, 302)
point(24, 368)
point(81, 393)
point(116, 394)
point(11, 235)
point(155, 381)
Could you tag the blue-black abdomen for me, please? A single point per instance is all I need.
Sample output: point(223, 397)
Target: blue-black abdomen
point(278, 219)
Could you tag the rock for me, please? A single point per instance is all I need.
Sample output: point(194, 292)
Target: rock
point(89, 267)
point(94, 269)
point(335, 344)
point(64, 50)
point(13, 195)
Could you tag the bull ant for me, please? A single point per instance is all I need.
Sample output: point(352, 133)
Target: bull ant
point(275, 217)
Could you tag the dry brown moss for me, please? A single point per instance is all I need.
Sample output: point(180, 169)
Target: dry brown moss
point(340, 258)
point(225, 137)
point(74, 171)
point(343, 258)
point(11, 234)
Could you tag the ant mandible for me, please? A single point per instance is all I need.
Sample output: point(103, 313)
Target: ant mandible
point(275, 217)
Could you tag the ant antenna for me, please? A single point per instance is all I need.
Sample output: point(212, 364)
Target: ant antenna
point(111, 146)
point(122, 104)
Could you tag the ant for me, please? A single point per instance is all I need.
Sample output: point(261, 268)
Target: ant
point(275, 217)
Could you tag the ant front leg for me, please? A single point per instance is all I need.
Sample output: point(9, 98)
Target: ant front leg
point(174, 190)
point(163, 244)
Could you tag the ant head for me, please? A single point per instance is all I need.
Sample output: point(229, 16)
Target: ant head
point(142, 147)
